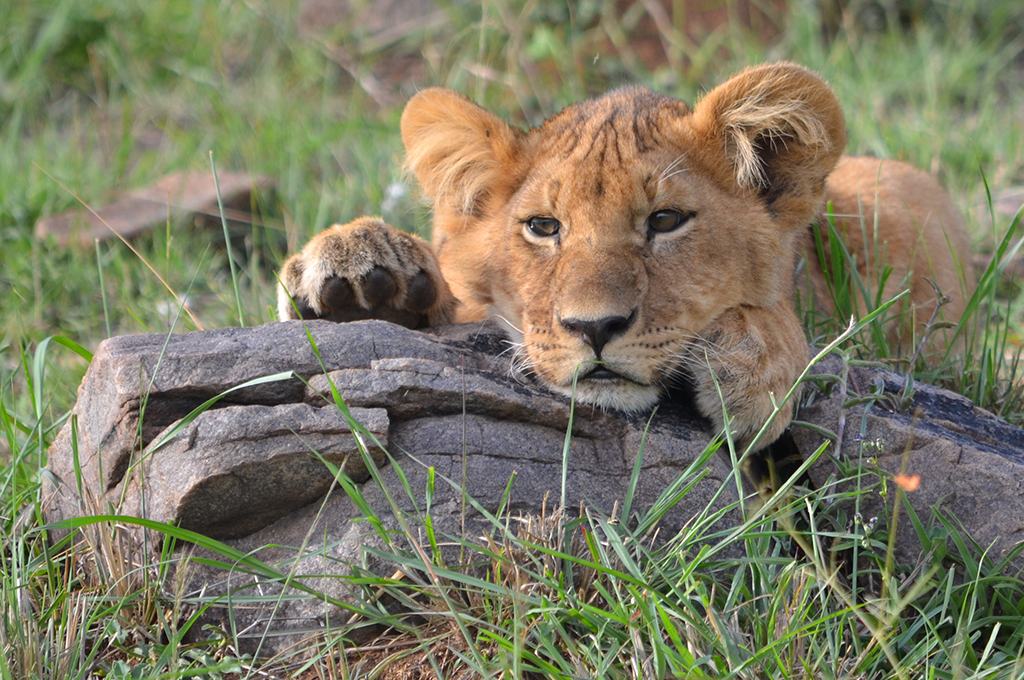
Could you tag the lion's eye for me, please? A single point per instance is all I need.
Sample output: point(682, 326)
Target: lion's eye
point(663, 221)
point(543, 226)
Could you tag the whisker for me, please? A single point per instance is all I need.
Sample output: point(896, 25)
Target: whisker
point(520, 365)
point(668, 171)
point(513, 347)
point(509, 323)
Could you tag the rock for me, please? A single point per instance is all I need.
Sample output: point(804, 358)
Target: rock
point(177, 194)
point(379, 21)
point(168, 377)
point(235, 470)
point(970, 463)
point(245, 471)
point(660, 23)
point(438, 416)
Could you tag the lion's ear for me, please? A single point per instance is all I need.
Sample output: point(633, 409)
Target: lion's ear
point(458, 151)
point(779, 130)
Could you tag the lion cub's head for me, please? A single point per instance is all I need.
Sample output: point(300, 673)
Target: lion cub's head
point(619, 229)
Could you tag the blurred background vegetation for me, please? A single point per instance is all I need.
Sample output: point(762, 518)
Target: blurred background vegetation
point(101, 96)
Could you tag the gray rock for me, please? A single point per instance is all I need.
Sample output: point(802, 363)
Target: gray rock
point(255, 470)
point(180, 194)
point(969, 462)
point(166, 377)
point(237, 469)
point(245, 471)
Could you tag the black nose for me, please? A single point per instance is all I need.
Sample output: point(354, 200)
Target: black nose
point(598, 332)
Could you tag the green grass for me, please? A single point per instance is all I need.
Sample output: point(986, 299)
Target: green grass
point(99, 96)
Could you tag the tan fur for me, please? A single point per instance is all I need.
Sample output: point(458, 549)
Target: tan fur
point(920, 236)
point(711, 301)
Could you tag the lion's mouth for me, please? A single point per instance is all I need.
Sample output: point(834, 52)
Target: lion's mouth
point(604, 374)
point(608, 388)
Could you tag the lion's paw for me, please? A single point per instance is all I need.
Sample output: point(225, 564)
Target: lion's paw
point(745, 365)
point(365, 269)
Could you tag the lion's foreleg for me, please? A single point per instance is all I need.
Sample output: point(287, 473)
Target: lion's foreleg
point(744, 365)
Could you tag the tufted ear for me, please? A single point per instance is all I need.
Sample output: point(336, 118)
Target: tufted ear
point(458, 151)
point(776, 129)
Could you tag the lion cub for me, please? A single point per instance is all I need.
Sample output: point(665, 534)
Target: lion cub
point(631, 240)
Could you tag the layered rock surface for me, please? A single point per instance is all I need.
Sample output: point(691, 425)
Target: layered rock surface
point(256, 469)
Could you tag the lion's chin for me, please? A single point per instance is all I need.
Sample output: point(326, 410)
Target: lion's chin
point(619, 395)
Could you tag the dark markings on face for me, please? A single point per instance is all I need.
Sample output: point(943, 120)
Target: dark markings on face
point(571, 135)
point(650, 187)
point(639, 136)
point(606, 136)
point(646, 132)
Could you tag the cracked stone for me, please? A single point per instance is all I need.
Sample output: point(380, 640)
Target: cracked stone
point(257, 470)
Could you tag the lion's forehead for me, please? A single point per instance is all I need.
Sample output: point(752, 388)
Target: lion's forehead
point(603, 180)
point(567, 193)
point(613, 129)
point(619, 152)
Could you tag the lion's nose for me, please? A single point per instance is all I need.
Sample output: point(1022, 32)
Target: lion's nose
point(598, 332)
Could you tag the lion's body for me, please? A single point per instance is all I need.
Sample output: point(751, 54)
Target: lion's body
point(921, 235)
point(630, 241)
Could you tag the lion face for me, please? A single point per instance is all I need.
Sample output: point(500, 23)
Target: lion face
point(609, 238)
